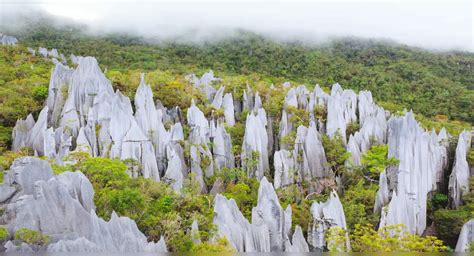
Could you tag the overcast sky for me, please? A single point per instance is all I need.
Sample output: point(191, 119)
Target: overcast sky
point(440, 25)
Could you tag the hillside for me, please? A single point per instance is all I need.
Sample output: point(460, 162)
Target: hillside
point(398, 76)
point(244, 158)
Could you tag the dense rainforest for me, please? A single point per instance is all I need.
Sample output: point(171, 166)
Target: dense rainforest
point(437, 86)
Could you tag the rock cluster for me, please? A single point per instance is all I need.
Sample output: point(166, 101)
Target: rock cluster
point(422, 161)
point(61, 206)
point(327, 215)
point(269, 230)
point(459, 178)
point(7, 40)
point(84, 114)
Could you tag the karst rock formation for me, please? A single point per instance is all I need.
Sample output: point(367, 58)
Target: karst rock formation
point(84, 113)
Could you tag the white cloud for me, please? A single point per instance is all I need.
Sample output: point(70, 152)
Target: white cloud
point(436, 25)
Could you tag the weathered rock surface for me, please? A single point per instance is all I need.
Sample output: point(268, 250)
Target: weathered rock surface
point(270, 227)
point(459, 178)
point(62, 207)
point(466, 237)
point(8, 40)
point(255, 145)
point(416, 174)
point(341, 109)
point(326, 215)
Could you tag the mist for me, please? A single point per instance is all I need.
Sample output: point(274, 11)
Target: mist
point(432, 25)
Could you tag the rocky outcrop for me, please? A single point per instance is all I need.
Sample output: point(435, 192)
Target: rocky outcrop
point(255, 145)
point(415, 175)
point(222, 148)
point(270, 227)
point(341, 109)
point(62, 207)
point(466, 237)
point(459, 178)
point(231, 224)
point(284, 167)
point(204, 83)
point(325, 216)
point(373, 128)
point(268, 213)
point(8, 40)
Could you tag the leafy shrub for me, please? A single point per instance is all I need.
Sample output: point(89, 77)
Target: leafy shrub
point(376, 160)
point(449, 223)
point(336, 153)
point(32, 237)
point(392, 238)
point(4, 234)
point(221, 246)
point(40, 92)
point(439, 200)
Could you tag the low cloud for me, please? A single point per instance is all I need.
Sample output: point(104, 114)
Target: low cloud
point(432, 25)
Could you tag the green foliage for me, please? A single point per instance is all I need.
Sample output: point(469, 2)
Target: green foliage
point(449, 223)
point(31, 237)
point(470, 157)
point(4, 234)
point(245, 195)
point(222, 246)
point(358, 203)
point(5, 138)
point(104, 172)
point(352, 128)
point(236, 133)
point(336, 153)
point(156, 208)
point(398, 74)
point(320, 112)
point(289, 140)
point(439, 200)
point(7, 158)
point(40, 92)
point(376, 160)
point(300, 206)
point(298, 116)
point(336, 239)
point(392, 238)
point(21, 76)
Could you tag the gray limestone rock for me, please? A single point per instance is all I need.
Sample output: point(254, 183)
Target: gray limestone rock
point(242, 235)
point(62, 207)
point(459, 178)
point(466, 237)
point(269, 214)
point(222, 149)
point(341, 109)
point(326, 215)
point(416, 174)
point(228, 105)
point(298, 242)
point(255, 146)
point(8, 40)
point(284, 166)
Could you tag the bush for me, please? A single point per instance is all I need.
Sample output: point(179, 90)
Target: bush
point(4, 234)
point(40, 92)
point(31, 237)
point(221, 246)
point(336, 153)
point(392, 238)
point(449, 223)
point(439, 200)
point(376, 160)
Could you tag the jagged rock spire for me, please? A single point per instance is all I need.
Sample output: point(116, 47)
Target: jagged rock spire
point(62, 207)
point(459, 178)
